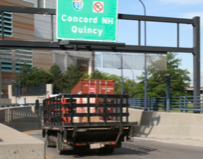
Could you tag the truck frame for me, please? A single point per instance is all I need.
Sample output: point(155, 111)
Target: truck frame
point(60, 128)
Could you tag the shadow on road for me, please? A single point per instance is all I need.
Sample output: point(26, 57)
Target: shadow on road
point(127, 149)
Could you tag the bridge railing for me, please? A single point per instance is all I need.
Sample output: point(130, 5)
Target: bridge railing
point(177, 104)
point(17, 105)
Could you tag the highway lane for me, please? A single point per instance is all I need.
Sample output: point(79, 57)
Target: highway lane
point(139, 149)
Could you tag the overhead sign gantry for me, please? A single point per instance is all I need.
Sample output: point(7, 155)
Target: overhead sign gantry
point(81, 45)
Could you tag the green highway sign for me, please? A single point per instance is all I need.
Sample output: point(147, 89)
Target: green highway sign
point(87, 20)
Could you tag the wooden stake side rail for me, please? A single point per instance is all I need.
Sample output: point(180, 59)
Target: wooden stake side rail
point(60, 111)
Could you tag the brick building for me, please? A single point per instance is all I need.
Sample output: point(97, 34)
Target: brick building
point(31, 27)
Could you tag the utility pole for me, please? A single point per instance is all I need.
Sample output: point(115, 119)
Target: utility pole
point(145, 63)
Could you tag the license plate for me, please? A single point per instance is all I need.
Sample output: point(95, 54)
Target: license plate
point(95, 146)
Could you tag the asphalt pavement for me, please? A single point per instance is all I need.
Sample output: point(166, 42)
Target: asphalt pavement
point(140, 149)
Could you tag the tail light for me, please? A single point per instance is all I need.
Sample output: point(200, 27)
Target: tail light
point(80, 144)
point(110, 143)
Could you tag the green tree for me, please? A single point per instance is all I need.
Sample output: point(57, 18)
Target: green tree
point(56, 78)
point(64, 82)
point(86, 76)
point(71, 77)
point(156, 82)
point(99, 75)
point(39, 76)
point(32, 76)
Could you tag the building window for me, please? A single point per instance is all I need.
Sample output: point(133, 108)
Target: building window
point(23, 56)
point(6, 67)
point(6, 60)
point(8, 28)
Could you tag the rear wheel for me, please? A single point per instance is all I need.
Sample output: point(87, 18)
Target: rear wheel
point(59, 144)
point(106, 150)
point(48, 143)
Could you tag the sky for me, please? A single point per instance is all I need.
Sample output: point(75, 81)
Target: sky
point(160, 34)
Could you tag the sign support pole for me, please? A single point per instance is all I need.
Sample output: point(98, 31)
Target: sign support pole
point(196, 63)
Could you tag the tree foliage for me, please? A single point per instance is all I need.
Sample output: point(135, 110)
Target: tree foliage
point(56, 78)
point(65, 81)
point(32, 76)
point(72, 77)
point(156, 82)
point(62, 82)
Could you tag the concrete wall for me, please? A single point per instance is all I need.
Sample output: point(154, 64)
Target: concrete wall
point(18, 145)
point(160, 125)
point(29, 99)
point(5, 100)
point(166, 125)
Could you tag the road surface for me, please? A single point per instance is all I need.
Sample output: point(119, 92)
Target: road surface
point(139, 149)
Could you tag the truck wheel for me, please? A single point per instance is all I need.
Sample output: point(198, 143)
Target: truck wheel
point(48, 143)
point(59, 144)
point(106, 150)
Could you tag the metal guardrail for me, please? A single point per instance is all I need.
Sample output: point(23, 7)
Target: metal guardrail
point(18, 116)
point(17, 105)
point(177, 104)
point(21, 114)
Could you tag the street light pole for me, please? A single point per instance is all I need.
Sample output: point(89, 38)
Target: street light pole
point(19, 86)
point(145, 67)
point(167, 76)
point(19, 79)
point(121, 73)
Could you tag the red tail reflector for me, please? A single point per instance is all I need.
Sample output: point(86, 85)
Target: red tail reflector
point(80, 144)
point(113, 143)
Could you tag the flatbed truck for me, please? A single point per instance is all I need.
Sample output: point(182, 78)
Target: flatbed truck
point(69, 123)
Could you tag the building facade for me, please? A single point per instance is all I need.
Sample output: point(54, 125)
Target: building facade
point(33, 27)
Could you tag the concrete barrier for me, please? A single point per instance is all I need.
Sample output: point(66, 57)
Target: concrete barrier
point(167, 125)
point(18, 145)
point(5, 100)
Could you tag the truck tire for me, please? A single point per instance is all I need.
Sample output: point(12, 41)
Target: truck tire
point(59, 144)
point(47, 141)
point(106, 150)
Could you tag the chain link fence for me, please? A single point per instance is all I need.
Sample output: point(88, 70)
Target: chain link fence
point(131, 61)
